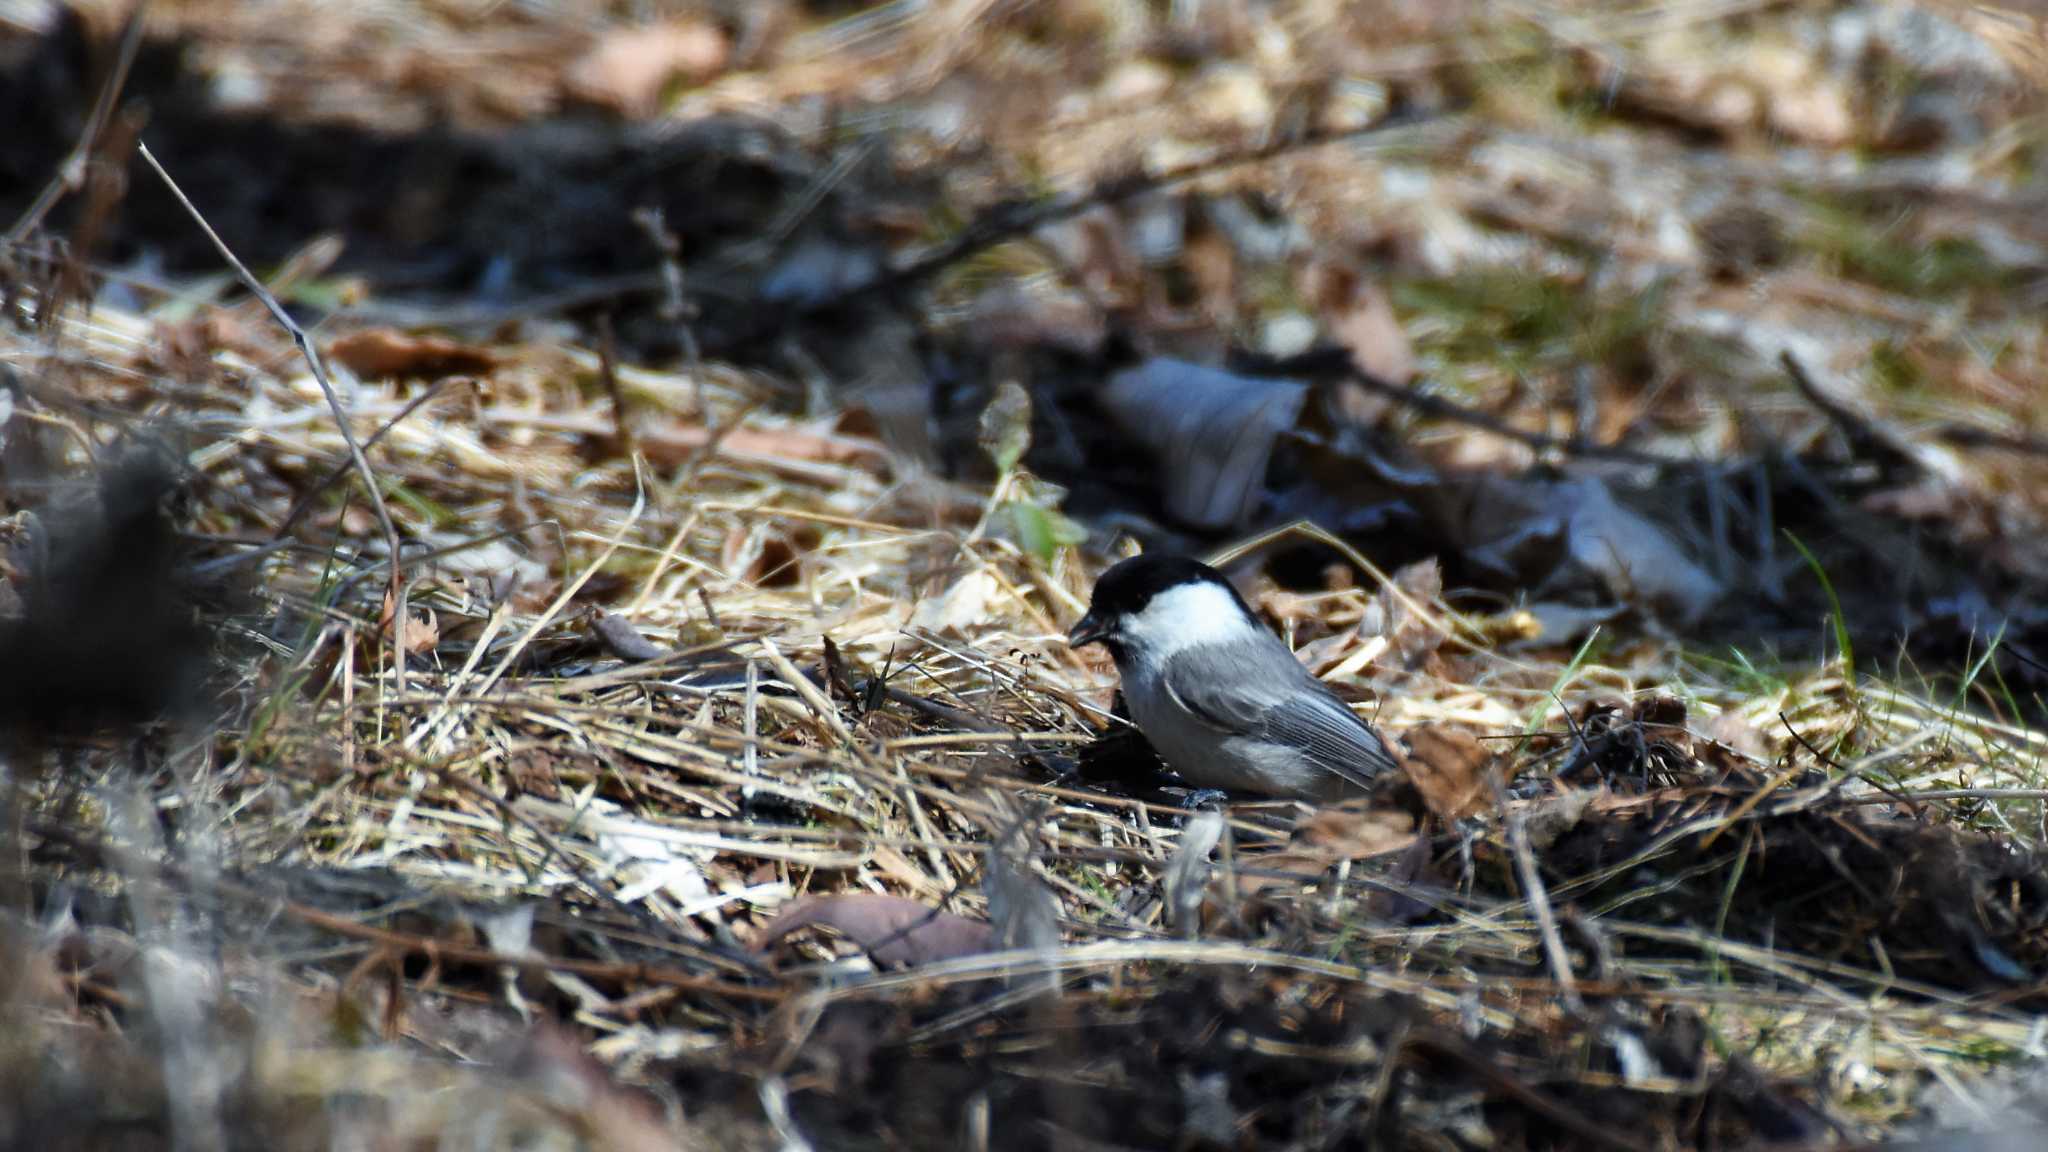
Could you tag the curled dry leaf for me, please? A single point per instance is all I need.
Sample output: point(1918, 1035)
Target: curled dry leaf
point(422, 631)
point(384, 353)
point(623, 640)
point(535, 771)
point(961, 607)
point(1448, 767)
point(1397, 612)
point(893, 931)
point(627, 69)
point(184, 349)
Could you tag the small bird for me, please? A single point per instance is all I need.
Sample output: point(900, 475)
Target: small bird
point(1220, 697)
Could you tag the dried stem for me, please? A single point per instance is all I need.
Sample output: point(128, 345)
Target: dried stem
point(355, 449)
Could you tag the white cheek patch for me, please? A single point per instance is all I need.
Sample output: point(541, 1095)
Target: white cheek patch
point(1189, 616)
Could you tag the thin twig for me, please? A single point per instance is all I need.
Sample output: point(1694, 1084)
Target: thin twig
point(1971, 436)
point(355, 449)
point(1866, 439)
point(1538, 899)
point(676, 308)
point(1484, 1068)
point(1442, 409)
point(608, 374)
point(304, 503)
point(70, 175)
point(1847, 775)
point(1010, 221)
point(1884, 797)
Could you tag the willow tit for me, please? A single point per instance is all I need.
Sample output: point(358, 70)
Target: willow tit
point(1220, 697)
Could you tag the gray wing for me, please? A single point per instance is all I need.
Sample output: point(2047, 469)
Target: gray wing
point(1261, 698)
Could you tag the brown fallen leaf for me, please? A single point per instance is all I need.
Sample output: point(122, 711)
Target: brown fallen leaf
point(211, 330)
point(1448, 767)
point(422, 631)
point(629, 67)
point(1323, 839)
point(1549, 819)
point(893, 931)
point(1733, 731)
point(537, 771)
point(1398, 613)
point(384, 353)
point(1351, 832)
point(676, 443)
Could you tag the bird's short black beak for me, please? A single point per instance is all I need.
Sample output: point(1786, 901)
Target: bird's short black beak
point(1088, 631)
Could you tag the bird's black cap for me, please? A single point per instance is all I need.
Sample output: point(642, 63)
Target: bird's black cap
point(1129, 585)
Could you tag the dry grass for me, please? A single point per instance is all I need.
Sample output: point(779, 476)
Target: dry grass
point(608, 786)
